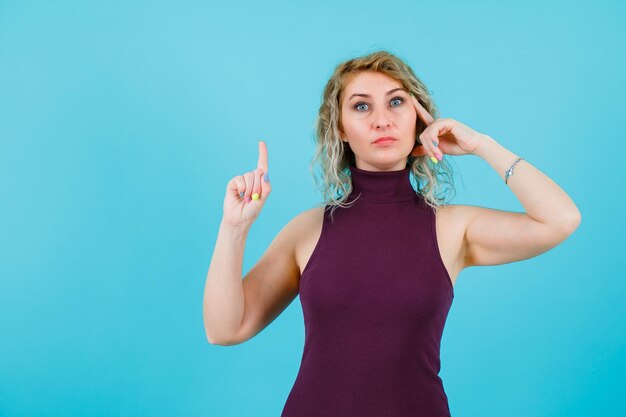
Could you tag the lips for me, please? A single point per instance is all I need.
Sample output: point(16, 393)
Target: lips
point(385, 138)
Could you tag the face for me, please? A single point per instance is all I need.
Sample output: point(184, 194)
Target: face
point(375, 105)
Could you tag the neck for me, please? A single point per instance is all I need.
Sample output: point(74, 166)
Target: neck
point(382, 186)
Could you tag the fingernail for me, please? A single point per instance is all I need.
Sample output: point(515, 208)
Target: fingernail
point(247, 199)
point(266, 177)
point(241, 194)
point(255, 196)
point(439, 156)
point(432, 158)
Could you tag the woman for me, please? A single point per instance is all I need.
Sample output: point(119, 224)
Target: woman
point(375, 265)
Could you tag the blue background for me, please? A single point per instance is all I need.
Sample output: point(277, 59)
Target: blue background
point(122, 122)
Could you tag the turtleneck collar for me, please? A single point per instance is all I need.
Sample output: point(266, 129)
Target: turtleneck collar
point(382, 186)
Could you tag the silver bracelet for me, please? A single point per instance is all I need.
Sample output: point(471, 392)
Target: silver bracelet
point(509, 171)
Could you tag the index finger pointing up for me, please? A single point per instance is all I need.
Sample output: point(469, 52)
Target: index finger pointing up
point(422, 113)
point(262, 165)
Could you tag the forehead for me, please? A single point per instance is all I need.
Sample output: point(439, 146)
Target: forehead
point(370, 81)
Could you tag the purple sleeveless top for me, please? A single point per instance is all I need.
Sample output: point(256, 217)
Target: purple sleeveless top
point(375, 296)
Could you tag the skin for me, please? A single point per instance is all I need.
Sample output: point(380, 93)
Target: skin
point(385, 113)
point(236, 310)
point(468, 235)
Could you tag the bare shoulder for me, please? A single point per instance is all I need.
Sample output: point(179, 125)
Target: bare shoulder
point(306, 229)
point(456, 213)
point(451, 224)
point(273, 282)
point(312, 215)
point(455, 218)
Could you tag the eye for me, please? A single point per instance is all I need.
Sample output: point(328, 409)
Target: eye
point(400, 99)
point(357, 105)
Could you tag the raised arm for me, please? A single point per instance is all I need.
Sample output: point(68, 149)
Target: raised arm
point(223, 304)
point(496, 237)
point(491, 236)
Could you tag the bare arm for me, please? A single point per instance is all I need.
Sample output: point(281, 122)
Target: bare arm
point(496, 237)
point(223, 302)
point(223, 292)
point(235, 310)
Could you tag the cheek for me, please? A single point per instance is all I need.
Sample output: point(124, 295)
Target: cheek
point(352, 124)
point(410, 121)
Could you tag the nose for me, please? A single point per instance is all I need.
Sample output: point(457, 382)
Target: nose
point(381, 119)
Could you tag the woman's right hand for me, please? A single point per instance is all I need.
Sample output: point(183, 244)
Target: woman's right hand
point(241, 206)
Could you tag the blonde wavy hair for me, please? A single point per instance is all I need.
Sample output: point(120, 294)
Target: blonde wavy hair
point(335, 156)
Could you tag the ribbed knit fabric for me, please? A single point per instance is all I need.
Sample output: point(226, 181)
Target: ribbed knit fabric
point(375, 296)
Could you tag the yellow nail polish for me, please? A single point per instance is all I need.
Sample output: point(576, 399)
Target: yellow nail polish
point(255, 196)
point(432, 158)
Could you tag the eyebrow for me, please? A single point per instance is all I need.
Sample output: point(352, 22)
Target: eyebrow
point(367, 95)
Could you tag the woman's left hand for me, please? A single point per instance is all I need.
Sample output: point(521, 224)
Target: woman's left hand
point(444, 136)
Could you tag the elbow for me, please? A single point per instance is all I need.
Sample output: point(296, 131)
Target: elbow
point(215, 335)
point(568, 223)
point(212, 341)
point(572, 221)
point(220, 341)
